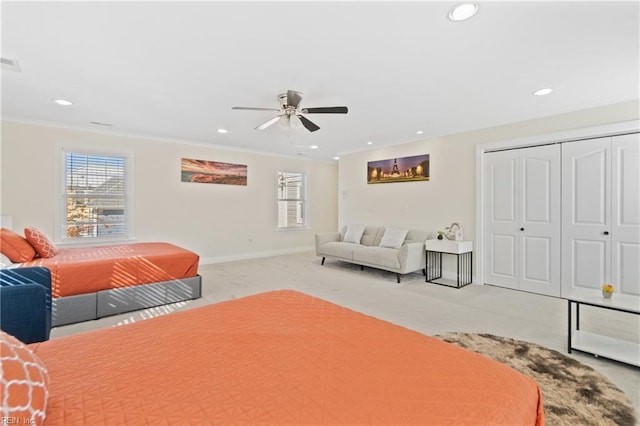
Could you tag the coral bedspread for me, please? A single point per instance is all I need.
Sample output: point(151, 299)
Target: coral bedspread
point(277, 358)
point(90, 269)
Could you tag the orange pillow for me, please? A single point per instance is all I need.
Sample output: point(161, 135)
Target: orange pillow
point(39, 240)
point(16, 248)
point(25, 382)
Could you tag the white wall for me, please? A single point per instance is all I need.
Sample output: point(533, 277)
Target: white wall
point(450, 194)
point(191, 215)
point(428, 205)
point(215, 221)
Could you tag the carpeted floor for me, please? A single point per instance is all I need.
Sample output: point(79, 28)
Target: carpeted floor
point(573, 393)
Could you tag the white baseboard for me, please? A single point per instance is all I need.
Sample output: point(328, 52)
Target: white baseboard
point(252, 255)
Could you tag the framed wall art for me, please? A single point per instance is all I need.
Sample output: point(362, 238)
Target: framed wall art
point(203, 171)
point(404, 169)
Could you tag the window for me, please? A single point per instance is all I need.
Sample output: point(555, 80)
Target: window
point(292, 200)
point(95, 196)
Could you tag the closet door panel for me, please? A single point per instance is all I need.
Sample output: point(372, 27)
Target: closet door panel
point(537, 191)
point(503, 265)
point(589, 263)
point(536, 260)
point(589, 187)
point(626, 263)
point(540, 220)
point(501, 207)
point(586, 215)
point(625, 204)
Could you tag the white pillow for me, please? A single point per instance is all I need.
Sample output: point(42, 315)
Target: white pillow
point(393, 238)
point(4, 261)
point(354, 234)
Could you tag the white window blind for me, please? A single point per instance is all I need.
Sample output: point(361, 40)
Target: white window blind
point(292, 201)
point(95, 196)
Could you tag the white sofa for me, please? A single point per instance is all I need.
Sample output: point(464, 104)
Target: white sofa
point(378, 247)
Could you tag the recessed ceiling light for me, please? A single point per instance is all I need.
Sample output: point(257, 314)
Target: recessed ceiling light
point(63, 102)
point(336, 158)
point(419, 132)
point(542, 92)
point(369, 143)
point(223, 131)
point(314, 147)
point(463, 11)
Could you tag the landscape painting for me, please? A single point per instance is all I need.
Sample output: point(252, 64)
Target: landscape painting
point(405, 169)
point(203, 171)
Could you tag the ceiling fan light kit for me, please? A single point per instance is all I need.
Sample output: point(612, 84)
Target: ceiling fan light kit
point(291, 115)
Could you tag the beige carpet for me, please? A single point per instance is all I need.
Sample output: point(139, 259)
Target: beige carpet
point(573, 393)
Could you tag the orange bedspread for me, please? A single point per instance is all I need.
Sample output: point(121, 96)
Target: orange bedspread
point(278, 358)
point(91, 269)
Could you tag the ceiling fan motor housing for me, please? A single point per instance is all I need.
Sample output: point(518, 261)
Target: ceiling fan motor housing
point(289, 109)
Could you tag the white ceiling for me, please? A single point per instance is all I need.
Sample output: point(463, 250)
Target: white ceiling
point(173, 70)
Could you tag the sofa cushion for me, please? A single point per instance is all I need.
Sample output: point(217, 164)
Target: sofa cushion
point(338, 249)
point(393, 238)
point(382, 257)
point(378, 236)
point(369, 236)
point(354, 234)
point(367, 240)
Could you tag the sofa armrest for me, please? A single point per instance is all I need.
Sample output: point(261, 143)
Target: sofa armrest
point(25, 303)
point(326, 238)
point(412, 257)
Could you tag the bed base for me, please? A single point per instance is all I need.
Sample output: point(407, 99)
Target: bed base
point(84, 307)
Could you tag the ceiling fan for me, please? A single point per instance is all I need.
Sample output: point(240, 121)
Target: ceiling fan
point(291, 113)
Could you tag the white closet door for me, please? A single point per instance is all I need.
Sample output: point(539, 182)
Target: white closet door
point(586, 215)
point(540, 220)
point(625, 214)
point(501, 220)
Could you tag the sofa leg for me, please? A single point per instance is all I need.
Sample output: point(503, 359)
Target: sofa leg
point(424, 272)
point(398, 276)
point(322, 261)
point(362, 267)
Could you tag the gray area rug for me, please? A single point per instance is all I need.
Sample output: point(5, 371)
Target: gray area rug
point(573, 393)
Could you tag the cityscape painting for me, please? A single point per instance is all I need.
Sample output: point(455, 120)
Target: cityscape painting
point(203, 171)
point(405, 169)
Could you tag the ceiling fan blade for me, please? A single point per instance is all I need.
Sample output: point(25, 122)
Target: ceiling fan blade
point(326, 110)
point(256, 109)
point(268, 123)
point(293, 98)
point(310, 125)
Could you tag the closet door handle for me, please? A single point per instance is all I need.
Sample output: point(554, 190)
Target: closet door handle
point(606, 232)
point(522, 229)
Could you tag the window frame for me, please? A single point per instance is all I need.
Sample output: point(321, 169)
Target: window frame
point(304, 200)
point(127, 155)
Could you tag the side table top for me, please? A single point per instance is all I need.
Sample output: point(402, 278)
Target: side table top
point(617, 302)
point(449, 246)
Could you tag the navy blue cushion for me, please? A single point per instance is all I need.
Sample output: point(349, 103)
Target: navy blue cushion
point(25, 303)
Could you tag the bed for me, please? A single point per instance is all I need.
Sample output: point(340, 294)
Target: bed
point(94, 282)
point(277, 358)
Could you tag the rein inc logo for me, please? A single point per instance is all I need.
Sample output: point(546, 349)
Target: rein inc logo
point(17, 421)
